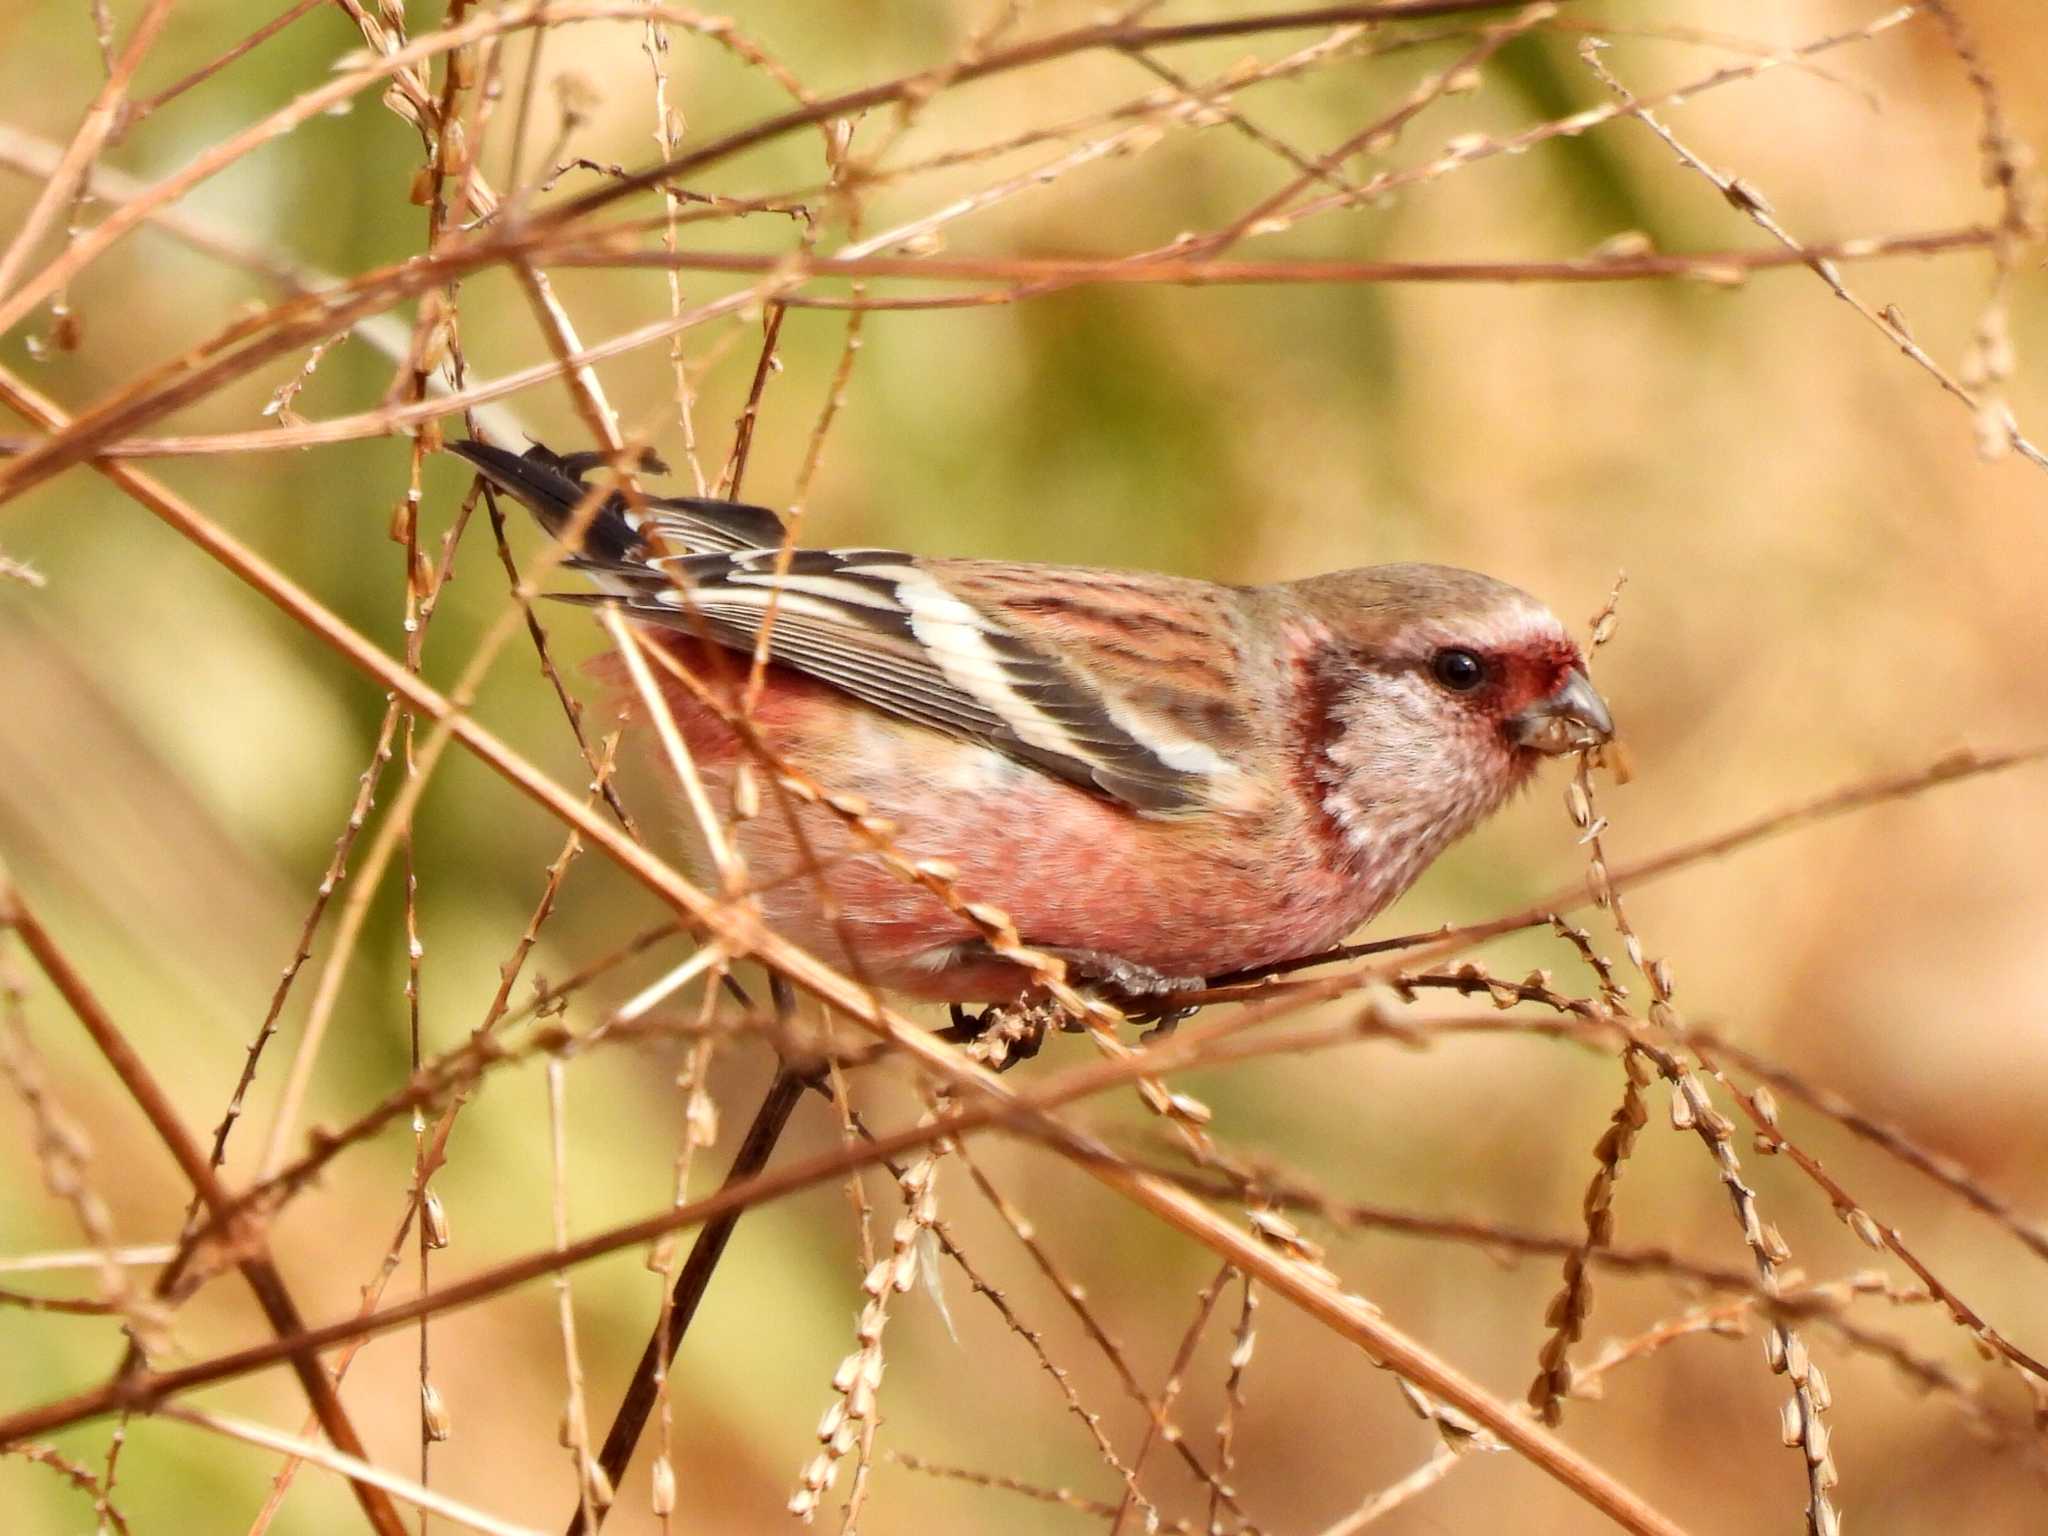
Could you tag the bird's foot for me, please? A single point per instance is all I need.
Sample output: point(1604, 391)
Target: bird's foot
point(1014, 1032)
point(1140, 992)
point(1002, 1034)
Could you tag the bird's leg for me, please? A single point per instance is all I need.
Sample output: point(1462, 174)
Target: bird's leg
point(1142, 993)
point(1002, 1034)
point(1122, 981)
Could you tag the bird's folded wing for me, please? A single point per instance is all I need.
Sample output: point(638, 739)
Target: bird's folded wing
point(931, 642)
point(1113, 682)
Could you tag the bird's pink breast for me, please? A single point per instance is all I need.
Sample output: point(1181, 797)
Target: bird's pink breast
point(1190, 896)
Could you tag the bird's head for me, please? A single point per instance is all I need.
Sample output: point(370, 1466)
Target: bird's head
point(1439, 691)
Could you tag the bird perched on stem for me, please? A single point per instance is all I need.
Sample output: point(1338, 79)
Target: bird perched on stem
point(1157, 779)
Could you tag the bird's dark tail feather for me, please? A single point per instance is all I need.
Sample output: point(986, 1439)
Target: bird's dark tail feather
point(551, 486)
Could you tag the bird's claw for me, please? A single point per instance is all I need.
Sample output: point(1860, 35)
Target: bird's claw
point(1002, 1034)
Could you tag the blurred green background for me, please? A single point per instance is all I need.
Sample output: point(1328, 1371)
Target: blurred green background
point(1824, 583)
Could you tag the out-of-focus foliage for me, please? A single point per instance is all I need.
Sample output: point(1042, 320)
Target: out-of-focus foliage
point(1824, 583)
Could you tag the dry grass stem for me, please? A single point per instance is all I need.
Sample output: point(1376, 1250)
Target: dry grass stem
point(983, 217)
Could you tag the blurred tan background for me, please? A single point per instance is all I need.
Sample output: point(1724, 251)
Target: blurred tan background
point(1824, 583)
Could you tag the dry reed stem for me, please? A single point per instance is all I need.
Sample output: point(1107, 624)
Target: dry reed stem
point(75, 169)
point(1270, 214)
point(633, 645)
point(1692, 1109)
point(1473, 148)
point(63, 1153)
point(593, 1490)
point(412, 85)
point(253, 1260)
point(1282, 1273)
point(1242, 1339)
point(346, 1464)
point(1033, 1339)
point(400, 63)
point(864, 1258)
point(80, 1477)
point(422, 1202)
point(392, 831)
point(700, 1130)
point(1997, 430)
point(1392, 1497)
point(38, 463)
point(1158, 1421)
point(1066, 1498)
point(1894, 1140)
point(1075, 1296)
point(1950, 767)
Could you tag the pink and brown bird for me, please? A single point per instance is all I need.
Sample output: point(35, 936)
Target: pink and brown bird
point(1157, 779)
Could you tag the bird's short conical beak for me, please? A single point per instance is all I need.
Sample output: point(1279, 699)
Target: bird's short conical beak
point(1573, 718)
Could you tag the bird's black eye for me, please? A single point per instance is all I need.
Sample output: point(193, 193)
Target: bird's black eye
point(1458, 670)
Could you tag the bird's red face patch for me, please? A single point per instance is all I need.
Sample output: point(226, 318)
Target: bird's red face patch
point(1528, 675)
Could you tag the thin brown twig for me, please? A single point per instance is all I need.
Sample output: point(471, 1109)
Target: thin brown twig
point(253, 1261)
point(1348, 1317)
point(1159, 1423)
point(80, 1477)
point(1997, 429)
point(75, 169)
point(133, 112)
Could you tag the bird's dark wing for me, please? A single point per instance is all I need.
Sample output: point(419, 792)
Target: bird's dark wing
point(927, 641)
point(551, 486)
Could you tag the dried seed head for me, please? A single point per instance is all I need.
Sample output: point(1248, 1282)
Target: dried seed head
point(1629, 243)
point(848, 804)
point(1766, 1105)
point(1817, 1389)
point(662, 1496)
point(701, 1117)
point(1816, 1439)
point(903, 1273)
point(1796, 1362)
point(849, 1372)
point(746, 793)
point(434, 1220)
point(831, 1419)
point(1791, 1420)
point(1682, 1117)
point(434, 1418)
point(1865, 1229)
